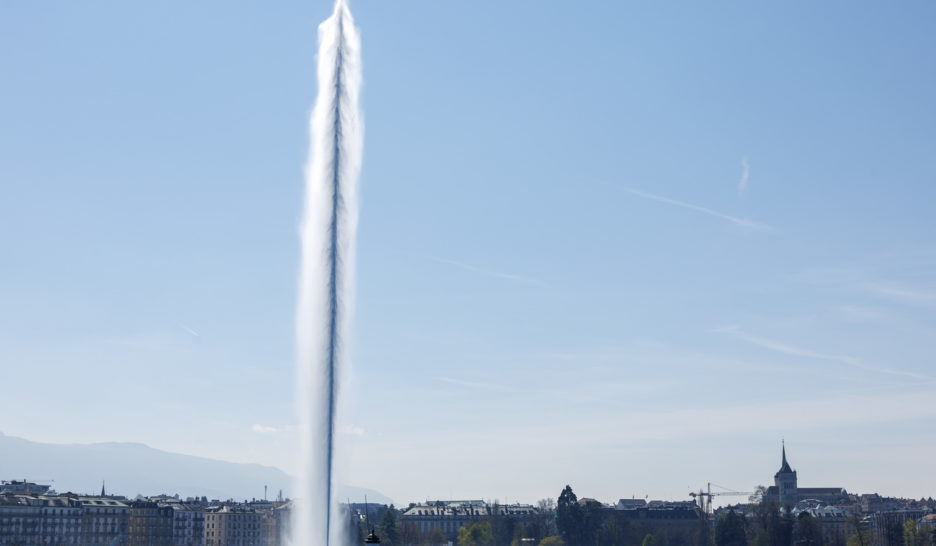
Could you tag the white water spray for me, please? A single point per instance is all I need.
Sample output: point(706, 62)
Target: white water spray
point(326, 278)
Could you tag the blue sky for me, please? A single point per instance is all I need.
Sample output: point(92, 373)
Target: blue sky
point(623, 246)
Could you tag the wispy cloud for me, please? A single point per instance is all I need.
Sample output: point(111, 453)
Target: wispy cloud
point(900, 293)
point(263, 429)
point(745, 174)
point(861, 314)
point(744, 222)
point(785, 348)
point(491, 273)
point(191, 331)
point(876, 280)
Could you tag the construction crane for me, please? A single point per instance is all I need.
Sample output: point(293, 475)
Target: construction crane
point(705, 497)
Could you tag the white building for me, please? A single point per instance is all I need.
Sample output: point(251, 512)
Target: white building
point(451, 516)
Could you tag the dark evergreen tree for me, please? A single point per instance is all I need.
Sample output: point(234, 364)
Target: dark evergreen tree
point(502, 529)
point(569, 518)
point(779, 529)
point(759, 522)
point(703, 533)
point(389, 528)
point(729, 531)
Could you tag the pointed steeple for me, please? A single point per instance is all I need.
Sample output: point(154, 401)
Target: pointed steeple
point(103, 494)
point(785, 467)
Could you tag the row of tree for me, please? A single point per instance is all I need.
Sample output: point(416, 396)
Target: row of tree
point(574, 523)
point(771, 526)
point(592, 524)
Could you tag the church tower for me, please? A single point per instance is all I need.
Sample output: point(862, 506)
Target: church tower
point(785, 480)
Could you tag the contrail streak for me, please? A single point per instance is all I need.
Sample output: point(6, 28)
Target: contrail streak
point(744, 222)
point(326, 283)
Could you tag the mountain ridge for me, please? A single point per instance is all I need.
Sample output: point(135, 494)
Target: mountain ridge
point(134, 468)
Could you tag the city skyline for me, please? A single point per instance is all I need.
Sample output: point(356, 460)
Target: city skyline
point(192, 476)
point(628, 248)
point(33, 514)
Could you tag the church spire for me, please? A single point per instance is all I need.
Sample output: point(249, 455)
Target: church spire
point(103, 494)
point(785, 466)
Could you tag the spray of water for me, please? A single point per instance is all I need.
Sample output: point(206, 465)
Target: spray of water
point(326, 283)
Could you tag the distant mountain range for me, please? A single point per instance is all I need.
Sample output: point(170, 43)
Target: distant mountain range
point(131, 469)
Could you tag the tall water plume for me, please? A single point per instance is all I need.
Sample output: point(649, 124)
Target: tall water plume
point(326, 278)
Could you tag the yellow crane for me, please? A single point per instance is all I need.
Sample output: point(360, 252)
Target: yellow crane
point(704, 497)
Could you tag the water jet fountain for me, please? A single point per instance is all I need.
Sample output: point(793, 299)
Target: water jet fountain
point(326, 277)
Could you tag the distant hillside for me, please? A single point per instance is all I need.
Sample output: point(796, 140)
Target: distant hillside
point(132, 469)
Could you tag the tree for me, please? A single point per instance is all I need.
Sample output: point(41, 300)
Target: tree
point(779, 528)
point(760, 539)
point(389, 527)
point(612, 531)
point(648, 540)
point(476, 534)
point(893, 533)
point(703, 533)
point(543, 523)
point(595, 521)
point(502, 530)
point(913, 535)
point(808, 530)
point(434, 537)
point(552, 541)
point(729, 531)
point(569, 518)
point(760, 492)
point(760, 521)
point(861, 537)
